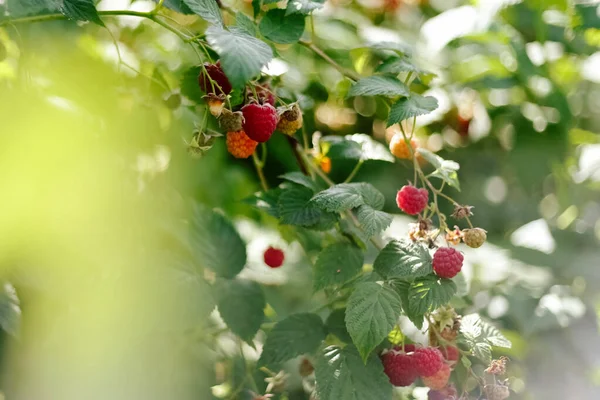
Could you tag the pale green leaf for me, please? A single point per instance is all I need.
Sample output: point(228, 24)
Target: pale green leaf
point(379, 86)
point(303, 6)
point(206, 9)
point(410, 107)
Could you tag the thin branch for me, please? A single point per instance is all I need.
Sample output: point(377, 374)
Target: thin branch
point(344, 71)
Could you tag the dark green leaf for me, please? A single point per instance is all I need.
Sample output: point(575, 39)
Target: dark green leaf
point(372, 221)
point(296, 207)
point(345, 196)
point(403, 288)
point(372, 312)
point(81, 10)
point(297, 334)
point(176, 5)
point(241, 305)
point(300, 179)
point(242, 56)
point(303, 6)
point(428, 293)
point(281, 28)
point(243, 22)
point(327, 221)
point(341, 375)
point(217, 244)
point(189, 84)
point(206, 9)
point(337, 264)
point(336, 325)
point(379, 86)
point(266, 201)
point(410, 107)
point(403, 259)
point(444, 169)
point(256, 5)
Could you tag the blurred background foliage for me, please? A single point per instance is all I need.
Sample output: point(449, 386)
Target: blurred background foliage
point(518, 84)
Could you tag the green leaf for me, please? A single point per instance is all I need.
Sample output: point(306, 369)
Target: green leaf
point(10, 313)
point(474, 328)
point(242, 56)
point(379, 86)
point(176, 5)
point(402, 288)
point(281, 28)
point(300, 179)
point(326, 221)
point(428, 293)
point(296, 207)
point(189, 84)
point(412, 106)
point(341, 374)
point(396, 65)
point(444, 169)
point(336, 264)
point(208, 10)
point(241, 304)
point(21, 8)
point(346, 196)
point(297, 334)
point(216, 243)
point(483, 351)
point(243, 22)
point(403, 259)
point(303, 6)
point(372, 312)
point(372, 221)
point(81, 10)
point(266, 201)
point(357, 147)
point(336, 325)
point(256, 5)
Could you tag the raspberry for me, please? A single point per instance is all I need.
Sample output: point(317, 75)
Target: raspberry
point(221, 83)
point(399, 367)
point(274, 257)
point(399, 148)
point(439, 380)
point(240, 145)
point(259, 121)
point(447, 262)
point(412, 200)
point(231, 121)
point(290, 119)
point(427, 361)
point(325, 164)
point(447, 393)
point(474, 237)
point(450, 353)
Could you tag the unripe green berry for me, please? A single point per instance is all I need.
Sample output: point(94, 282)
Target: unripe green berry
point(474, 237)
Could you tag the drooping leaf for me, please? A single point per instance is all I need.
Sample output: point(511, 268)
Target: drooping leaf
point(242, 56)
point(297, 334)
point(336, 324)
point(279, 27)
point(410, 107)
point(206, 9)
point(372, 312)
point(300, 179)
point(357, 147)
point(303, 6)
point(346, 196)
point(341, 374)
point(266, 201)
point(216, 243)
point(81, 10)
point(241, 305)
point(337, 264)
point(403, 259)
point(444, 169)
point(475, 329)
point(372, 221)
point(402, 287)
point(379, 86)
point(296, 207)
point(243, 22)
point(428, 293)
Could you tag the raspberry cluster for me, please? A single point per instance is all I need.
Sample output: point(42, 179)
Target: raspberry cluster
point(403, 365)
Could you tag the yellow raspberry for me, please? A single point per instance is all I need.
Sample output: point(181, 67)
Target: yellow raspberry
point(399, 147)
point(240, 145)
point(474, 237)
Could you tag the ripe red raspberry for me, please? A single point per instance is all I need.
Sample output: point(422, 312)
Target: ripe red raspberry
point(412, 200)
point(447, 262)
point(450, 353)
point(274, 257)
point(427, 361)
point(399, 367)
point(221, 83)
point(439, 380)
point(240, 145)
point(447, 393)
point(260, 121)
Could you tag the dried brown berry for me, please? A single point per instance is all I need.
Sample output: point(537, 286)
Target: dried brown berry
point(461, 212)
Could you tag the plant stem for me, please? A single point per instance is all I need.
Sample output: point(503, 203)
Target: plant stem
point(354, 171)
point(259, 171)
point(346, 72)
point(298, 154)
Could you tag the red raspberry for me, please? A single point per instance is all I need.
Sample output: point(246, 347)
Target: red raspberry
point(260, 121)
point(447, 262)
point(447, 393)
point(274, 257)
point(439, 380)
point(450, 353)
point(427, 361)
point(412, 200)
point(218, 76)
point(240, 145)
point(399, 367)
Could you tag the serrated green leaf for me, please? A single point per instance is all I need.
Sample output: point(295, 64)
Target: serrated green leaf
point(379, 86)
point(372, 221)
point(466, 362)
point(300, 179)
point(338, 198)
point(336, 324)
point(241, 305)
point(336, 264)
point(296, 207)
point(483, 351)
point(81, 10)
point(428, 293)
point(303, 6)
point(297, 334)
point(396, 65)
point(372, 312)
point(189, 84)
point(410, 107)
point(371, 149)
point(402, 288)
point(444, 169)
point(266, 201)
point(403, 259)
point(473, 328)
point(326, 221)
point(341, 374)
point(242, 56)
point(281, 28)
point(216, 243)
point(243, 22)
point(208, 10)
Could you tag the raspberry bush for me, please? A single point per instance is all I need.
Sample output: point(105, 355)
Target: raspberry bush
point(384, 311)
